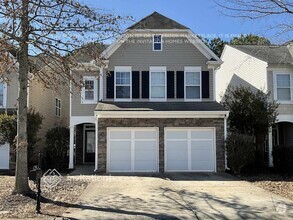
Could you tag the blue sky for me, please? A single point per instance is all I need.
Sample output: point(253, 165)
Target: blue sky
point(201, 16)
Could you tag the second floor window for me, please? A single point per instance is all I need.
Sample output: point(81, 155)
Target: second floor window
point(192, 83)
point(1, 94)
point(89, 90)
point(57, 107)
point(283, 87)
point(158, 83)
point(157, 43)
point(123, 83)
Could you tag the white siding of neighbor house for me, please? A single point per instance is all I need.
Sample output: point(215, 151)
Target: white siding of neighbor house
point(284, 109)
point(240, 69)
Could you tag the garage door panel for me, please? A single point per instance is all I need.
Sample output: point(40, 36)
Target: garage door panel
point(177, 165)
point(177, 150)
point(4, 156)
point(145, 135)
point(120, 135)
point(138, 153)
point(197, 134)
point(176, 135)
point(195, 152)
point(145, 165)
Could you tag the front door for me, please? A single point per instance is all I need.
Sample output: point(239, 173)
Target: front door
point(90, 142)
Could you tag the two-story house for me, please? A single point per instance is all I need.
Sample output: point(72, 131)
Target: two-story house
point(53, 105)
point(265, 68)
point(151, 106)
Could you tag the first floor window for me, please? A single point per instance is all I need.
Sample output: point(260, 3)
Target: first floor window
point(158, 83)
point(57, 107)
point(283, 87)
point(1, 94)
point(123, 83)
point(192, 83)
point(89, 90)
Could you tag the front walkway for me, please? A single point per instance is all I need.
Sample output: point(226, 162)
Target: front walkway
point(178, 196)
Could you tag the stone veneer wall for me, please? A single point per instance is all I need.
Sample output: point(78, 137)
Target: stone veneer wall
point(161, 123)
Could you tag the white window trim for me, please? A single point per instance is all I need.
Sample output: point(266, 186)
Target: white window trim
point(193, 69)
point(275, 73)
point(158, 69)
point(94, 101)
point(58, 107)
point(122, 69)
point(154, 42)
point(4, 96)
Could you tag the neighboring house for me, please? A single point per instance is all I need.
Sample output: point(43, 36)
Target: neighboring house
point(54, 106)
point(265, 68)
point(151, 107)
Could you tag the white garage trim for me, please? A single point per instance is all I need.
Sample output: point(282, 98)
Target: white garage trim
point(188, 139)
point(132, 139)
point(4, 156)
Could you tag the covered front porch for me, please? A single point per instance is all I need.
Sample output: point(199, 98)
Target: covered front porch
point(82, 141)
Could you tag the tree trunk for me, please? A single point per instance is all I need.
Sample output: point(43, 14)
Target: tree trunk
point(21, 173)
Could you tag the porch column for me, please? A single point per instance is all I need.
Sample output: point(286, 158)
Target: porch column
point(270, 139)
point(71, 148)
point(97, 144)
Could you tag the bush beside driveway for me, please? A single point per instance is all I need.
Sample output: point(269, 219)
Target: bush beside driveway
point(182, 196)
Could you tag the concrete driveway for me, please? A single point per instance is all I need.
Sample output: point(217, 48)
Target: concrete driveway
point(178, 196)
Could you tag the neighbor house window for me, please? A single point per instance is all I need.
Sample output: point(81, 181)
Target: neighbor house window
point(123, 83)
point(192, 81)
point(89, 90)
point(57, 107)
point(158, 83)
point(157, 43)
point(3, 94)
point(283, 87)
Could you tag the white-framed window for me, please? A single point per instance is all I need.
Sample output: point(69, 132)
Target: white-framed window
point(158, 83)
point(3, 94)
point(157, 42)
point(58, 107)
point(283, 86)
point(192, 83)
point(89, 90)
point(123, 83)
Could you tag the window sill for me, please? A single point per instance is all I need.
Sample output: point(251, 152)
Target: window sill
point(122, 100)
point(89, 102)
point(284, 102)
point(192, 100)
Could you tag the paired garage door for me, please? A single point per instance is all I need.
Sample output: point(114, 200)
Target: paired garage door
point(4, 157)
point(189, 150)
point(136, 150)
point(133, 150)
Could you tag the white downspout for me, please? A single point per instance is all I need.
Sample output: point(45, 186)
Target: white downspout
point(101, 79)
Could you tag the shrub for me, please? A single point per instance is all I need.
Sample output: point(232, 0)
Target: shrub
point(283, 158)
point(241, 151)
point(57, 145)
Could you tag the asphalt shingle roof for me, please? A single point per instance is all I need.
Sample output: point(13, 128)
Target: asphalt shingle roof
point(157, 21)
point(270, 54)
point(159, 106)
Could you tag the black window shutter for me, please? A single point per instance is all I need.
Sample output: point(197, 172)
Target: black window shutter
point(180, 84)
point(110, 85)
point(170, 84)
point(205, 84)
point(145, 84)
point(135, 84)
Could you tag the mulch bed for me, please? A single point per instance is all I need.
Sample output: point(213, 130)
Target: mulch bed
point(277, 184)
point(56, 199)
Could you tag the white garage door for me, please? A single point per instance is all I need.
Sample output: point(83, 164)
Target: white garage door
point(4, 157)
point(132, 150)
point(189, 149)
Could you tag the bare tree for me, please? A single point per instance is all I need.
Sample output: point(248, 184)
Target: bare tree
point(51, 29)
point(259, 9)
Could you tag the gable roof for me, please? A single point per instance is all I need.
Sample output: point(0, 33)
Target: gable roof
point(157, 21)
point(270, 54)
